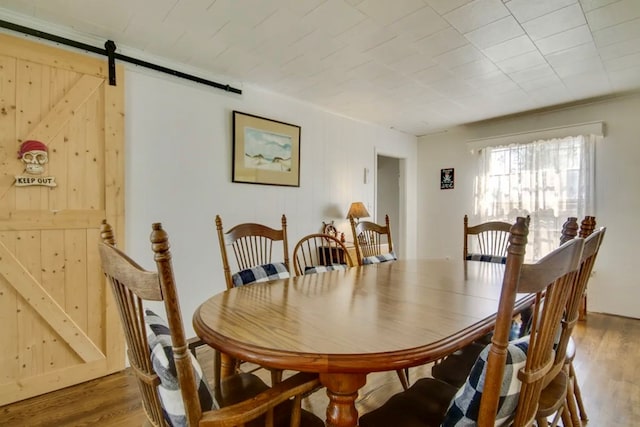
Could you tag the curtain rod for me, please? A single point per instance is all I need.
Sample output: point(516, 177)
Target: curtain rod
point(109, 51)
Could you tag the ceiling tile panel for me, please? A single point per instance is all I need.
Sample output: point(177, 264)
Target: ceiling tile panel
point(565, 40)
point(497, 32)
point(475, 69)
point(620, 49)
point(617, 33)
point(441, 42)
point(623, 62)
point(413, 64)
point(555, 22)
point(420, 24)
point(334, 17)
point(539, 71)
point(571, 55)
point(510, 48)
point(476, 14)
point(387, 12)
point(456, 57)
point(591, 65)
point(588, 5)
point(444, 6)
point(521, 62)
point(526, 10)
point(613, 14)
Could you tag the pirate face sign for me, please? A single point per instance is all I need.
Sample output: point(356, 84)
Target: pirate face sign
point(34, 155)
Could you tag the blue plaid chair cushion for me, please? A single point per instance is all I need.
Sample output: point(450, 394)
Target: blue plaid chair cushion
point(375, 259)
point(487, 258)
point(261, 273)
point(465, 406)
point(159, 339)
point(324, 268)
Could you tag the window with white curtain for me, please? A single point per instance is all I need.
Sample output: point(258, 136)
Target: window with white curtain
point(549, 180)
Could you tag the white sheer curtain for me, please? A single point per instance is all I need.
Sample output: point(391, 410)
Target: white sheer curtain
point(549, 180)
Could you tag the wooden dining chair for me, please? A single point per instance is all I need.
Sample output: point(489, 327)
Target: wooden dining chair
point(317, 253)
point(487, 241)
point(258, 252)
point(592, 245)
point(554, 397)
point(171, 383)
point(252, 253)
point(505, 383)
point(369, 240)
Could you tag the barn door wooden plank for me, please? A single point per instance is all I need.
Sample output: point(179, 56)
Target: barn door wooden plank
point(50, 311)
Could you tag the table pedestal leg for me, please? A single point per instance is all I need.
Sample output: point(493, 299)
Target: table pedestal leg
point(342, 390)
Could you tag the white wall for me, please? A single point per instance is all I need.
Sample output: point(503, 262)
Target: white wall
point(615, 287)
point(178, 172)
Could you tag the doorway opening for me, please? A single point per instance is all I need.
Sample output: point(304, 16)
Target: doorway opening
point(390, 197)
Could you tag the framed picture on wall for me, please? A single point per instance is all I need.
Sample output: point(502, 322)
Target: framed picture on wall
point(446, 179)
point(265, 151)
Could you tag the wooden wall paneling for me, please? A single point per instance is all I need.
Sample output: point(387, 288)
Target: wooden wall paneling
point(114, 156)
point(8, 317)
point(57, 354)
point(63, 57)
point(75, 249)
point(30, 335)
point(96, 292)
point(61, 81)
point(93, 159)
point(114, 193)
point(8, 143)
point(28, 114)
point(30, 290)
point(75, 147)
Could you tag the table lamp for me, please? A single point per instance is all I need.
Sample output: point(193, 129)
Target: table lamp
point(357, 210)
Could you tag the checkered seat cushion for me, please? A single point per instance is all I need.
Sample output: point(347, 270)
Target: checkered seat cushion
point(375, 259)
point(324, 268)
point(159, 338)
point(465, 406)
point(261, 273)
point(487, 258)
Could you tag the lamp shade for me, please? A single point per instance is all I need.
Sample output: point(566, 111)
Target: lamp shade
point(357, 210)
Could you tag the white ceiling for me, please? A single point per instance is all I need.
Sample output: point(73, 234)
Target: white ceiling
point(418, 66)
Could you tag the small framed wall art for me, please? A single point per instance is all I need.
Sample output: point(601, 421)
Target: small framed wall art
point(446, 179)
point(265, 151)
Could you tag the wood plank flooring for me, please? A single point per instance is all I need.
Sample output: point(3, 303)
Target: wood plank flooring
point(608, 348)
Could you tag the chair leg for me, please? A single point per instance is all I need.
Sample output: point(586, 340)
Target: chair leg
point(570, 399)
point(403, 375)
point(276, 376)
point(577, 394)
point(566, 416)
point(542, 422)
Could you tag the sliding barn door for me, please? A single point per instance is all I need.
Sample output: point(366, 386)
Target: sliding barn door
point(58, 325)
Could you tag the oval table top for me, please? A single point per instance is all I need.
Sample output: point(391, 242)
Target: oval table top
point(373, 318)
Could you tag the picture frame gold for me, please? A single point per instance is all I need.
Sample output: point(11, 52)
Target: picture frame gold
point(265, 151)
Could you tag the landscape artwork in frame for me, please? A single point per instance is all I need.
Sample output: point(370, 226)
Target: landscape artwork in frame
point(446, 179)
point(265, 151)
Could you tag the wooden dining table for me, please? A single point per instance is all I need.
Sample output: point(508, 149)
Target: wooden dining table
point(344, 325)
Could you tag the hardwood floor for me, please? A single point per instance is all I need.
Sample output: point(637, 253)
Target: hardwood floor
point(605, 364)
